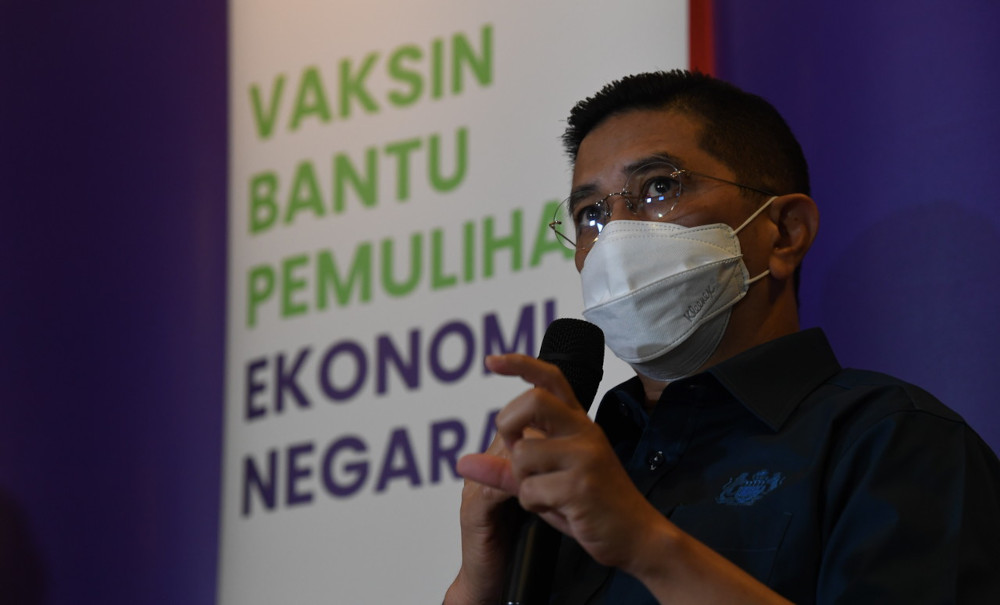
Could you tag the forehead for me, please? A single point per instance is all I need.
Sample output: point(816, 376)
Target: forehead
point(623, 139)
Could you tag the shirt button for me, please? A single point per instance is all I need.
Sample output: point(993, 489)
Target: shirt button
point(655, 460)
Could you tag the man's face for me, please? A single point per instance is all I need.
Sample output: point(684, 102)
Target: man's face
point(625, 140)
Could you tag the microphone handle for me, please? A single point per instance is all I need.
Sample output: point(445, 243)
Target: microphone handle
point(577, 349)
point(532, 564)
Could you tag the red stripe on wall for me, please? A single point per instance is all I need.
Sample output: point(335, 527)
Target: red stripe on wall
point(701, 40)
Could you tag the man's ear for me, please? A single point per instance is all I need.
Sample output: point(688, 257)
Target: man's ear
point(797, 220)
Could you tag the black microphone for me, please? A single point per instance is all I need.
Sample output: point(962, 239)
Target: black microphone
point(576, 347)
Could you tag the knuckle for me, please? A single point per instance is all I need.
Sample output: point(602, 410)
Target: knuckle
point(530, 498)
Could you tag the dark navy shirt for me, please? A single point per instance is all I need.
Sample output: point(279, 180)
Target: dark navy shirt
point(828, 485)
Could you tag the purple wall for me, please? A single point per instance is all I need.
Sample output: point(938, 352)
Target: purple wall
point(112, 248)
point(897, 106)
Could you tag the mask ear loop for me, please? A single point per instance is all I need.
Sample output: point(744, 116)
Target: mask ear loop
point(736, 231)
point(755, 214)
point(763, 274)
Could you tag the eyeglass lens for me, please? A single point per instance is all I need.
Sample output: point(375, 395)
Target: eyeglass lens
point(650, 194)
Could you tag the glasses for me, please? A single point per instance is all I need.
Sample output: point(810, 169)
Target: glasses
point(650, 193)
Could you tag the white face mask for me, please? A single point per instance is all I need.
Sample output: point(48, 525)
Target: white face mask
point(663, 293)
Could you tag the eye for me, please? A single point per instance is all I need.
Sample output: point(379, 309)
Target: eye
point(588, 215)
point(659, 187)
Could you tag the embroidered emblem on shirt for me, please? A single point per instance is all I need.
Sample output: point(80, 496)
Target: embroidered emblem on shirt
point(746, 489)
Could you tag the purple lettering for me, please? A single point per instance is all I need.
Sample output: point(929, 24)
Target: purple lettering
point(463, 332)
point(265, 486)
point(442, 453)
point(386, 351)
point(326, 371)
point(399, 443)
point(286, 381)
point(358, 468)
point(254, 387)
point(524, 336)
point(296, 472)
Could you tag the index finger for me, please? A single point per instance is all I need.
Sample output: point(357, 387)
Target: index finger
point(535, 371)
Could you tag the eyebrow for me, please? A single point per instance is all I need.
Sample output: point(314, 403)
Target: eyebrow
point(653, 159)
point(587, 189)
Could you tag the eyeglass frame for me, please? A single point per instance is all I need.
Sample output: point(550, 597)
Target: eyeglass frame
point(631, 203)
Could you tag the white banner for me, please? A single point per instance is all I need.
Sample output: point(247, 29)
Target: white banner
point(394, 167)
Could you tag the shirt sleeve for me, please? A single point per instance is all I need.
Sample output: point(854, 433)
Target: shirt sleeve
point(912, 515)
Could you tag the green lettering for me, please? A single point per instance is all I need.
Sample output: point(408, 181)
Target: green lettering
point(437, 68)
point(491, 243)
point(402, 152)
point(481, 66)
point(359, 279)
point(305, 193)
point(265, 117)
point(438, 279)
point(290, 285)
point(408, 76)
point(354, 86)
point(392, 287)
point(263, 207)
point(366, 187)
point(439, 182)
point(260, 286)
point(310, 100)
point(469, 241)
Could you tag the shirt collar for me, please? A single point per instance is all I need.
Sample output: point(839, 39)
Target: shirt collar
point(773, 378)
point(769, 380)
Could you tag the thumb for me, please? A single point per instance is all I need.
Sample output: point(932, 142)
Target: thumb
point(492, 471)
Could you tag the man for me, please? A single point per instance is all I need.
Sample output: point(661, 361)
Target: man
point(742, 464)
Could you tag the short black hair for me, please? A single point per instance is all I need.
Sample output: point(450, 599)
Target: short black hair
point(742, 130)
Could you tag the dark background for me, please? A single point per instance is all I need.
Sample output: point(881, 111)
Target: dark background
point(113, 252)
point(112, 247)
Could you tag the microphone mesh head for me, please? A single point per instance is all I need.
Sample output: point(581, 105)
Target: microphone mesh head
point(576, 347)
